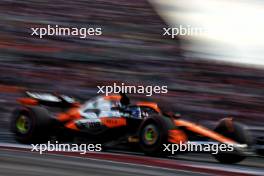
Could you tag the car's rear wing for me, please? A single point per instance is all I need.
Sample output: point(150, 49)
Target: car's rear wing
point(48, 99)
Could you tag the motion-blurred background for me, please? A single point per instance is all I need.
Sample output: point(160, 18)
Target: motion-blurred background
point(133, 50)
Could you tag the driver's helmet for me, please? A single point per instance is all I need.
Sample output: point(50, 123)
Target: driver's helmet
point(125, 101)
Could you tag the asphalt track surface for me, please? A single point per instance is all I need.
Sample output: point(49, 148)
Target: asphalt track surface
point(17, 159)
point(33, 164)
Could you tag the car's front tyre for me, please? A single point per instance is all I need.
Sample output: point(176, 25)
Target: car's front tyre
point(237, 132)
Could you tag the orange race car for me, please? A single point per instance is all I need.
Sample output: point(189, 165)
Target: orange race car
point(42, 117)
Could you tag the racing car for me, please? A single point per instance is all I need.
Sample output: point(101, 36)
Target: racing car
point(43, 116)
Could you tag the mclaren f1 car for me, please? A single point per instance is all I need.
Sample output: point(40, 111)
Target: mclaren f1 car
point(43, 116)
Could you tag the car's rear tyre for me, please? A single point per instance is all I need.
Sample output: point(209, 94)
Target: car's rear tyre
point(153, 133)
point(31, 125)
point(237, 132)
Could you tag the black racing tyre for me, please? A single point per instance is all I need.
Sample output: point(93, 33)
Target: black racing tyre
point(31, 125)
point(237, 132)
point(153, 133)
